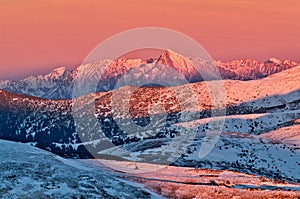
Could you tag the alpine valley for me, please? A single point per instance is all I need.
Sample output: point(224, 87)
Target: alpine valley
point(260, 134)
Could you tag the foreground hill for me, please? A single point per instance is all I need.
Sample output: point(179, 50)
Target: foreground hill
point(28, 172)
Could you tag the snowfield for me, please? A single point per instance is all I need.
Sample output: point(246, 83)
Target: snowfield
point(29, 172)
point(188, 183)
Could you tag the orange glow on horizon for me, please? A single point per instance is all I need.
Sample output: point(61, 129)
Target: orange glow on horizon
point(37, 36)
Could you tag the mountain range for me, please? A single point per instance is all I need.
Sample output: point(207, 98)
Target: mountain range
point(133, 120)
point(59, 83)
point(261, 124)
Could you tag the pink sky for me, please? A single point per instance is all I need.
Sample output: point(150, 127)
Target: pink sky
point(37, 36)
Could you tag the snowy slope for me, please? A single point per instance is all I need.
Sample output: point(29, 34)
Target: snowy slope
point(186, 182)
point(289, 135)
point(28, 172)
point(233, 151)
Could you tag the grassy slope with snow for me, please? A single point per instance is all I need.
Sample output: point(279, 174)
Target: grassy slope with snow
point(28, 172)
point(184, 182)
point(250, 143)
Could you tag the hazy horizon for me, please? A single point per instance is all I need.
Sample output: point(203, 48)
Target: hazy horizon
point(36, 36)
point(131, 55)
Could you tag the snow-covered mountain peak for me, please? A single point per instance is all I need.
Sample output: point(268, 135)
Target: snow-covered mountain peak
point(59, 70)
point(169, 56)
point(181, 64)
point(168, 52)
point(128, 61)
point(121, 65)
point(3, 83)
point(290, 62)
point(274, 60)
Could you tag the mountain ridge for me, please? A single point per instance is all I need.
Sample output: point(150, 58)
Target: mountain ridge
point(253, 109)
point(58, 84)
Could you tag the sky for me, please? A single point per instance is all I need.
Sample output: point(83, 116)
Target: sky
point(37, 36)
